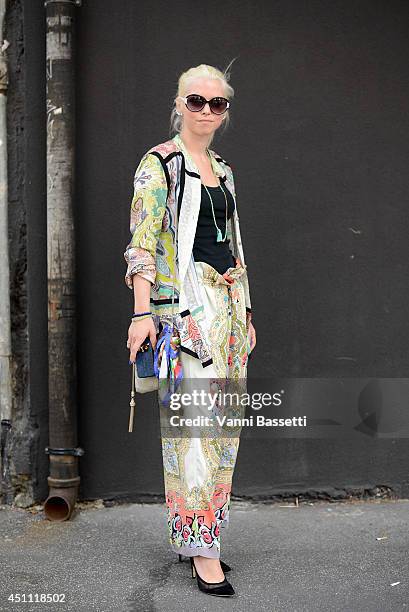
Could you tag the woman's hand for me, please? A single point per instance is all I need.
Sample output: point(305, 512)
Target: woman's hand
point(251, 334)
point(137, 333)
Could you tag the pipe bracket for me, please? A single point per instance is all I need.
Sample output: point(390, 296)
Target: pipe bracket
point(75, 2)
point(76, 452)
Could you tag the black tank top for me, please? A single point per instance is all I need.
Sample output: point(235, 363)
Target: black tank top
point(205, 247)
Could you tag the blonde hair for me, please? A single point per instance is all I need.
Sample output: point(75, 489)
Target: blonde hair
point(201, 71)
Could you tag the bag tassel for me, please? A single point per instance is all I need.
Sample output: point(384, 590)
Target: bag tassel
point(132, 402)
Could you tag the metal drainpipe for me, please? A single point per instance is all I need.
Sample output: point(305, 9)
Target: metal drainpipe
point(63, 451)
point(6, 490)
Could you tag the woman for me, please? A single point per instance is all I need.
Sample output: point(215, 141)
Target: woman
point(184, 207)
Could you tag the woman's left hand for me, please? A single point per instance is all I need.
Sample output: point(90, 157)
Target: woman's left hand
point(251, 334)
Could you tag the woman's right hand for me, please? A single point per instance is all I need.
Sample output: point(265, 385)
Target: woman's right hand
point(137, 333)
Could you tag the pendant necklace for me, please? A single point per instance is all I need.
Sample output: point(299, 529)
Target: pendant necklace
point(219, 237)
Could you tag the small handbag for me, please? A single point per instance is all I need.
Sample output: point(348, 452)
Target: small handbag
point(144, 360)
point(145, 378)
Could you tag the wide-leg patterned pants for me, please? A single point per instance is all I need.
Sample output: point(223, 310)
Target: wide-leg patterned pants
point(199, 463)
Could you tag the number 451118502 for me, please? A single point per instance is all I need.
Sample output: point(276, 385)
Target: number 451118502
point(36, 597)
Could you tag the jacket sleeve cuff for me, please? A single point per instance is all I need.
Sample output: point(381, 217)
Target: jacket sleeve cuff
point(141, 262)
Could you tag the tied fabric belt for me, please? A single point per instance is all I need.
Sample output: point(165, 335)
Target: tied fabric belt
point(213, 277)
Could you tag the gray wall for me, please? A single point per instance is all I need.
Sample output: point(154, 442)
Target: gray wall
point(319, 144)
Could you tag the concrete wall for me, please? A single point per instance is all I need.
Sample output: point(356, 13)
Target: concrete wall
point(25, 33)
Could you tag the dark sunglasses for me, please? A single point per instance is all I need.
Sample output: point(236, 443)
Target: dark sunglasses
point(196, 103)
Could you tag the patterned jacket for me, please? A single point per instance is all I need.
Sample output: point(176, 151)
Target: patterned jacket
point(167, 190)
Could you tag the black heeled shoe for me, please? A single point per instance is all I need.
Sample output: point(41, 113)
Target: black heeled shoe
point(226, 568)
point(220, 589)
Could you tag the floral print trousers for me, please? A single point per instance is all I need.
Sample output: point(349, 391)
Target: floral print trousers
point(199, 462)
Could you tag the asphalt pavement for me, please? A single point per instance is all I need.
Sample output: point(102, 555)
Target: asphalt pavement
point(321, 556)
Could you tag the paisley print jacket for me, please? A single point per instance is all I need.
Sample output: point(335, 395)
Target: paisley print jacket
point(167, 191)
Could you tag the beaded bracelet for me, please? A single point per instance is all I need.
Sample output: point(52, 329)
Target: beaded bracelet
point(140, 314)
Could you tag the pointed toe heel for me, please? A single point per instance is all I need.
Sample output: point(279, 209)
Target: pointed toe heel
point(219, 589)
